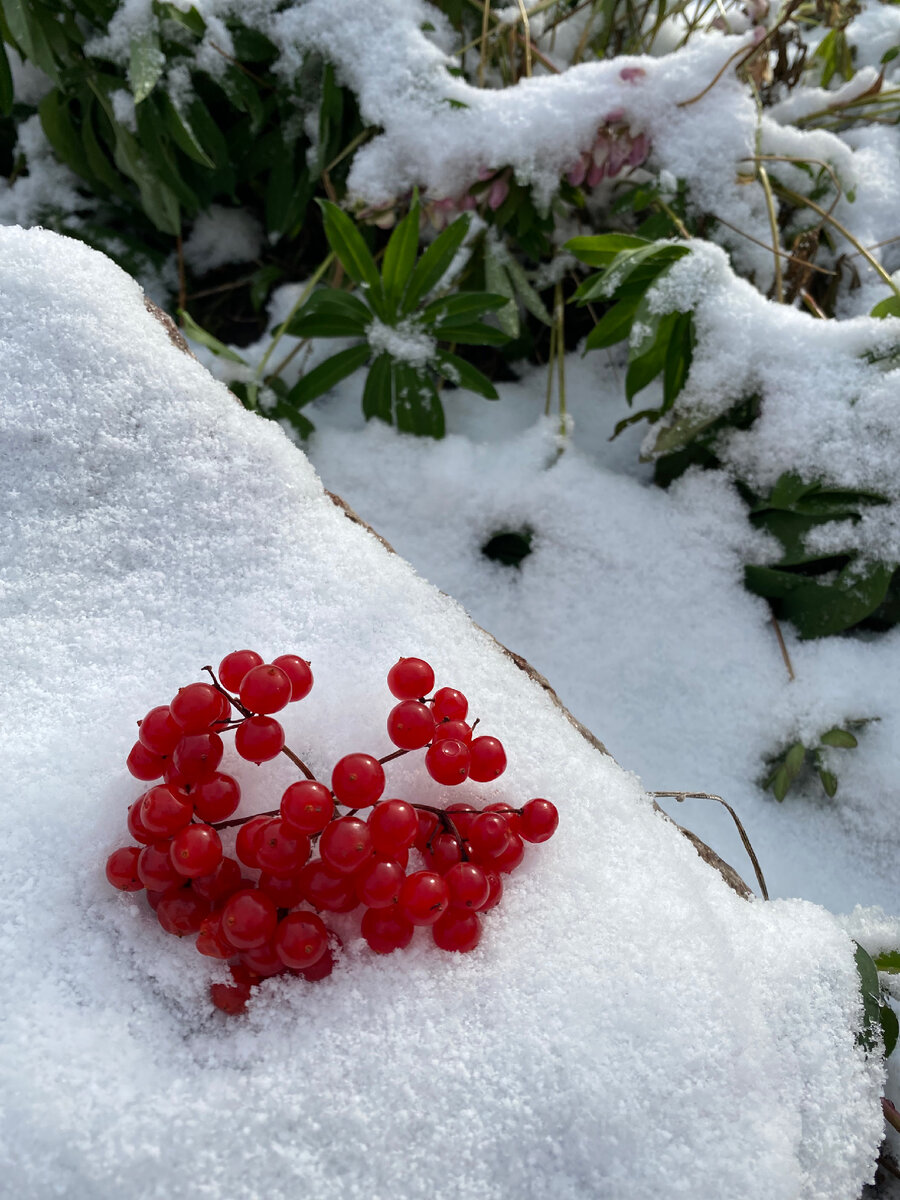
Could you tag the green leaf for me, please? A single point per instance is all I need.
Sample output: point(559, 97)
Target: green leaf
point(648, 357)
point(417, 406)
point(888, 961)
point(614, 326)
point(599, 251)
point(198, 334)
point(497, 280)
point(262, 283)
point(182, 134)
point(30, 37)
point(97, 159)
point(678, 358)
point(470, 335)
point(330, 313)
point(157, 199)
point(146, 63)
point(62, 134)
point(433, 265)
point(682, 431)
point(377, 394)
point(400, 256)
point(646, 414)
point(527, 294)
point(464, 375)
point(788, 489)
point(461, 308)
point(348, 244)
point(879, 1020)
point(840, 738)
point(780, 784)
point(829, 781)
point(328, 373)
point(6, 83)
point(772, 583)
point(889, 307)
point(890, 1028)
point(821, 609)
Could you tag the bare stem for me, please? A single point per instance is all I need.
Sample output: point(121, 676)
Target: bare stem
point(680, 796)
point(285, 750)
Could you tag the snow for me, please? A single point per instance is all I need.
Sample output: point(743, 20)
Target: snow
point(222, 235)
point(624, 1006)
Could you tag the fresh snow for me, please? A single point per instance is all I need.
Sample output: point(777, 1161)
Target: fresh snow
point(629, 1026)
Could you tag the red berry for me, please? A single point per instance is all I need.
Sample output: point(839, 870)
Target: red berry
point(211, 940)
point(462, 815)
point(453, 729)
point(357, 780)
point(468, 886)
point(136, 825)
point(307, 806)
point(263, 961)
point(163, 812)
point(324, 887)
point(410, 678)
point(345, 844)
point(284, 891)
point(378, 882)
point(220, 883)
point(539, 820)
point(265, 689)
point(155, 869)
point(457, 930)
point(447, 761)
point(158, 732)
point(121, 869)
point(247, 844)
point(183, 912)
point(234, 667)
point(301, 939)
point(281, 851)
point(428, 824)
point(259, 739)
point(410, 725)
point(323, 967)
point(424, 897)
point(445, 851)
point(197, 756)
point(196, 850)
point(232, 998)
point(488, 833)
point(154, 897)
point(196, 707)
point(508, 858)
point(449, 704)
point(249, 919)
point(393, 825)
point(495, 894)
point(487, 759)
point(386, 929)
point(513, 819)
point(298, 672)
point(216, 798)
point(143, 764)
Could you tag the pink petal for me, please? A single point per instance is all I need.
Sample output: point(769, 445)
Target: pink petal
point(615, 116)
point(640, 148)
point(498, 193)
point(595, 174)
point(632, 74)
point(578, 172)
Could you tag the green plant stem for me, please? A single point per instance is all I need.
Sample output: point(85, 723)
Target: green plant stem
point(304, 296)
point(798, 198)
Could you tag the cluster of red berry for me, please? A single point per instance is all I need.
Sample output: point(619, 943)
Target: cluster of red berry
point(266, 925)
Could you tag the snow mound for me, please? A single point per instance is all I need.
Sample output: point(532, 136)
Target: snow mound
point(628, 1026)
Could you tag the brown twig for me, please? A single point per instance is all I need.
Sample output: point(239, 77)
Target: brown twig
point(680, 796)
point(788, 13)
point(288, 753)
point(781, 643)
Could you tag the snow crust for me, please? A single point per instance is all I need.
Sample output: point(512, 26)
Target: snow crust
point(629, 1026)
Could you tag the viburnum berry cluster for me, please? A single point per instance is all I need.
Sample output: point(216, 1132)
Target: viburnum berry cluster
point(407, 865)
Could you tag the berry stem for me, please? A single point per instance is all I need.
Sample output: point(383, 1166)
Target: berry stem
point(295, 759)
point(396, 754)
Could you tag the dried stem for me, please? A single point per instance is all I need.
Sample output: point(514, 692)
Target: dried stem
point(780, 636)
point(526, 25)
point(288, 753)
point(680, 796)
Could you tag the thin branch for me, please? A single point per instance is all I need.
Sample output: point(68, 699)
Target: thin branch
point(781, 643)
point(680, 796)
point(772, 250)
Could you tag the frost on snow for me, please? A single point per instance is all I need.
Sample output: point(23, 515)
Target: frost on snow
point(628, 1026)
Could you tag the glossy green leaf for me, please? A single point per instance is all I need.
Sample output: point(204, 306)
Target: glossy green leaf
point(417, 406)
point(62, 133)
point(198, 334)
point(461, 308)
point(190, 19)
point(648, 357)
point(889, 961)
point(889, 307)
point(772, 583)
point(497, 280)
point(328, 373)
point(145, 64)
point(434, 263)
point(646, 414)
point(678, 359)
point(829, 781)
point(330, 313)
point(470, 335)
point(348, 244)
point(529, 296)
point(182, 134)
point(840, 738)
point(822, 609)
point(600, 250)
point(377, 393)
point(6, 83)
point(614, 326)
point(682, 431)
point(30, 36)
point(400, 256)
point(464, 375)
point(879, 1022)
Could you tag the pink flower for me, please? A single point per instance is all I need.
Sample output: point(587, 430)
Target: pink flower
point(578, 172)
point(640, 148)
point(632, 74)
point(497, 194)
point(595, 174)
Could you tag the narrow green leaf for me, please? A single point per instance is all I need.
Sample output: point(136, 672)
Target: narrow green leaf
point(96, 155)
point(461, 308)
point(772, 583)
point(781, 784)
point(190, 19)
point(63, 136)
point(648, 357)
point(470, 335)
point(417, 406)
point(146, 63)
point(651, 260)
point(678, 359)
point(433, 265)
point(30, 37)
point(464, 375)
point(527, 294)
point(182, 134)
point(198, 334)
point(614, 326)
point(890, 1028)
point(876, 1024)
point(6, 83)
point(794, 760)
point(328, 373)
point(330, 313)
point(377, 394)
point(646, 414)
point(348, 244)
point(887, 308)
point(840, 738)
point(497, 280)
point(829, 781)
point(681, 431)
point(889, 961)
point(400, 256)
point(600, 250)
point(788, 489)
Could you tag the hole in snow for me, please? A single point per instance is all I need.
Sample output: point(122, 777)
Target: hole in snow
point(508, 546)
